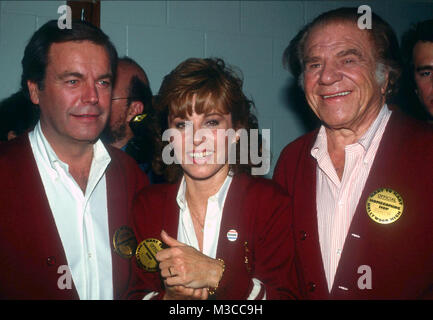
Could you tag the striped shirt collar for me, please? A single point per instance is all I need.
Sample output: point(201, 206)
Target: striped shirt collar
point(320, 146)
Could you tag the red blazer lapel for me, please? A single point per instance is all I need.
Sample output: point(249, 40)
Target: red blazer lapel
point(124, 181)
point(305, 222)
point(232, 219)
point(232, 247)
point(117, 207)
point(170, 212)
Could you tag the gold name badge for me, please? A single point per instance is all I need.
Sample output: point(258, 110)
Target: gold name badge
point(384, 206)
point(139, 117)
point(146, 252)
point(124, 242)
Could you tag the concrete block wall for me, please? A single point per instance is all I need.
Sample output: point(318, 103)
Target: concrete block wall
point(250, 35)
point(18, 21)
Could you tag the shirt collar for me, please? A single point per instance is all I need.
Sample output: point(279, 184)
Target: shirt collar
point(180, 198)
point(367, 138)
point(219, 196)
point(100, 153)
point(320, 146)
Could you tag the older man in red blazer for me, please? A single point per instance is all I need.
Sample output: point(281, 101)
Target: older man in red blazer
point(63, 193)
point(362, 183)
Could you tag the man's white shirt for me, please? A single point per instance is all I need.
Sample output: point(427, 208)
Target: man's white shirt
point(81, 218)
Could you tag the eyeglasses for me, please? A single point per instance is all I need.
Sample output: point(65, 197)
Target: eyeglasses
point(132, 98)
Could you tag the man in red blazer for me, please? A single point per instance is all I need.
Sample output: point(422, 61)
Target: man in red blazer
point(63, 194)
point(362, 183)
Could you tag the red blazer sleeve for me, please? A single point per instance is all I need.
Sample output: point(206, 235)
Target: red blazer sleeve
point(274, 249)
point(147, 221)
point(289, 161)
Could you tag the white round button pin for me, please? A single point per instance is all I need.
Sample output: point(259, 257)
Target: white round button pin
point(232, 235)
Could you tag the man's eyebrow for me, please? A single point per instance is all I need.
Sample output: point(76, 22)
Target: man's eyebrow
point(67, 74)
point(309, 59)
point(340, 54)
point(78, 75)
point(424, 68)
point(349, 52)
point(105, 76)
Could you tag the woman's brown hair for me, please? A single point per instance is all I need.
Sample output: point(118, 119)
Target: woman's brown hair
point(216, 87)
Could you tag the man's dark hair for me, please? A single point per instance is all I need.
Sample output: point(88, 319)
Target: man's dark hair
point(139, 91)
point(17, 114)
point(382, 35)
point(35, 58)
point(419, 32)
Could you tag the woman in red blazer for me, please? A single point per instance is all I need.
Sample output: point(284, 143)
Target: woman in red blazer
point(225, 234)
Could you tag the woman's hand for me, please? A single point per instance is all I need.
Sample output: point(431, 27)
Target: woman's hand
point(183, 293)
point(182, 265)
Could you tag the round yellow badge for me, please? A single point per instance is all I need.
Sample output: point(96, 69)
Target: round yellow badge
point(124, 242)
point(146, 252)
point(384, 206)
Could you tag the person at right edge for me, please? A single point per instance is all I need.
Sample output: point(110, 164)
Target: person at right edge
point(227, 234)
point(361, 183)
point(417, 49)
